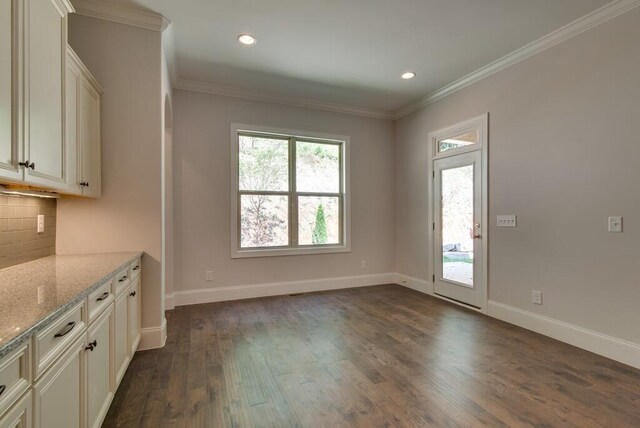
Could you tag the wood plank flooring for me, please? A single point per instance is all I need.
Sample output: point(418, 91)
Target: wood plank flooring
point(382, 356)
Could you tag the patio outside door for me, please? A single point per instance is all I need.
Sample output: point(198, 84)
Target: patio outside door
point(458, 230)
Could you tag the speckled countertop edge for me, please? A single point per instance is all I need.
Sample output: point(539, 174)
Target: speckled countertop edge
point(25, 335)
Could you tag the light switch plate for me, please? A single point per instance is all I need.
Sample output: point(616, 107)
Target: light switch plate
point(536, 297)
point(208, 275)
point(615, 224)
point(507, 220)
point(40, 223)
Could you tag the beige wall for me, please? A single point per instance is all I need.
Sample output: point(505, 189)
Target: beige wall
point(564, 154)
point(202, 185)
point(127, 63)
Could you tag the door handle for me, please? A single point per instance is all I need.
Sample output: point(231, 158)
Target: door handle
point(477, 236)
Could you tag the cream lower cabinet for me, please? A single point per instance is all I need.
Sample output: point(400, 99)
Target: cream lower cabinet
point(75, 381)
point(20, 415)
point(100, 388)
point(59, 394)
point(134, 316)
point(121, 337)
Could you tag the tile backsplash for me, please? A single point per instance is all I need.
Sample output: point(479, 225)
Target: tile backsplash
point(19, 240)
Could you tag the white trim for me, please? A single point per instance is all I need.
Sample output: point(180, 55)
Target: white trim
point(481, 123)
point(239, 292)
point(236, 252)
point(580, 25)
point(416, 284)
point(611, 347)
point(270, 97)
point(153, 337)
point(121, 14)
point(169, 301)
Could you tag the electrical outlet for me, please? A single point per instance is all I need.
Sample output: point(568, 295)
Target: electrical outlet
point(208, 275)
point(363, 264)
point(615, 224)
point(536, 297)
point(507, 220)
point(40, 223)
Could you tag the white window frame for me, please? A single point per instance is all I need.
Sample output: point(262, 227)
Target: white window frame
point(236, 250)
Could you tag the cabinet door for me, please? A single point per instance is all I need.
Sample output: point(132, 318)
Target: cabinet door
point(134, 315)
point(45, 53)
point(20, 415)
point(90, 131)
point(10, 14)
point(72, 135)
point(99, 378)
point(59, 395)
point(121, 337)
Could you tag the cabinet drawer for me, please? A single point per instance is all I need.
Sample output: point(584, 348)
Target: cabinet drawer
point(99, 300)
point(135, 269)
point(50, 343)
point(14, 376)
point(121, 281)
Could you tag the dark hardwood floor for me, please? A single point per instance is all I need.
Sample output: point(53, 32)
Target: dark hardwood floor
point(368, 357)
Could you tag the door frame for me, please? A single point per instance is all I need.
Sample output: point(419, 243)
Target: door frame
point(481, 124)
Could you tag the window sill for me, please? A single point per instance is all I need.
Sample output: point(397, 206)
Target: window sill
point(242, 254)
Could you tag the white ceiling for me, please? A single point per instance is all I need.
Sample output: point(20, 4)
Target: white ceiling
point(352, 52)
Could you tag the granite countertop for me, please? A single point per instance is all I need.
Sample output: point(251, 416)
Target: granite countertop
point(34, 294)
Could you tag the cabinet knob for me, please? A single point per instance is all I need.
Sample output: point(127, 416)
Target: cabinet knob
point(132, 294)
point(84, 184)
point(91, 346)
point(28, 164)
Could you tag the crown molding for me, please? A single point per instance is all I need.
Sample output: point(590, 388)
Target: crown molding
point(121, 14)
point(580, 25)
point(248, 94)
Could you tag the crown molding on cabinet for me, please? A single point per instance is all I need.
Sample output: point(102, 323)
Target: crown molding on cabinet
point(248, 94)
point(580, 25)
point(121, 14)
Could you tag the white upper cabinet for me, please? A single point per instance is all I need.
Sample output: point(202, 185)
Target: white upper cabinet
point(9, 42)
point(45, 49)
point(83, 128)
point(49, 102)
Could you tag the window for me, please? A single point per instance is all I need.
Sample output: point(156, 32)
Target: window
point(289, 193)
point(458, 142)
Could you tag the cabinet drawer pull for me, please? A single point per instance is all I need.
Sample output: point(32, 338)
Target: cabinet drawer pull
point(91, 346)
point(104, 296)
point(136, 268)
point(123, 279)
point(66, 330)
point(132, 294)
point(2, 388)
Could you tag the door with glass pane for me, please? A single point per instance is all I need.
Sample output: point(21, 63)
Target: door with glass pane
point(457, 228)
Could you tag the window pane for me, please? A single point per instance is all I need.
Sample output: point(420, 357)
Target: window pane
point(318, 220)
point(264, 221)
point(457, 224)
point(263, 163)
point(317, 167)
point(459, 141)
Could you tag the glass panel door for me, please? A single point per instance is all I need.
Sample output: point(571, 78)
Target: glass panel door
point(457, 227)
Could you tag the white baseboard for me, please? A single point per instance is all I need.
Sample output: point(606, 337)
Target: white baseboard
point(169, 301)
point(221, 294)
point(153, 337)
point(598, 343)
point(414, 283)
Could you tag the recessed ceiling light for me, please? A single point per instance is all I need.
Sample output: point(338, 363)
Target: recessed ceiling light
point(408, 75)
point(247, 39)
